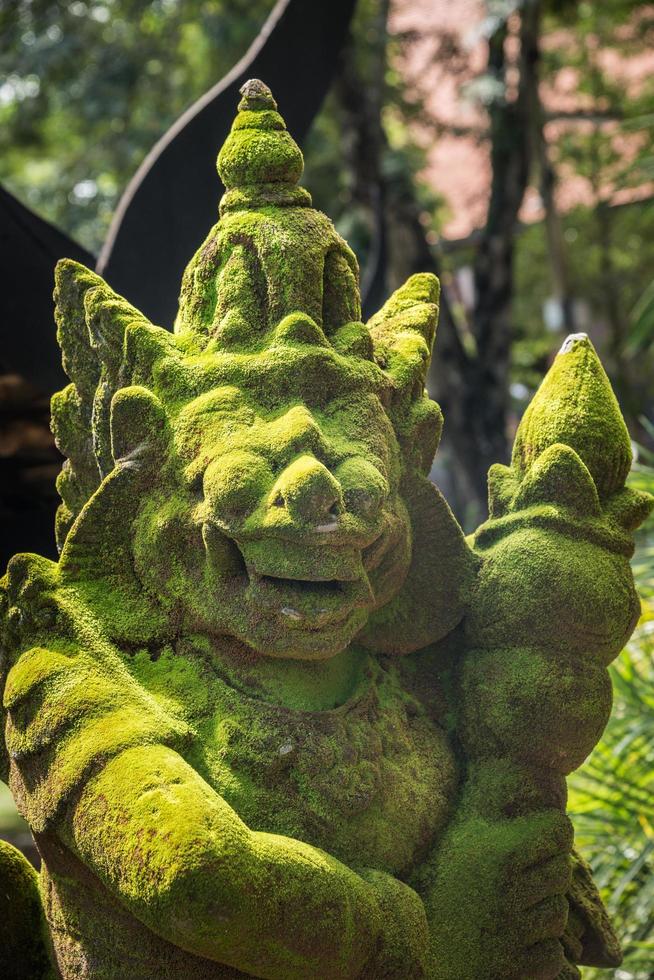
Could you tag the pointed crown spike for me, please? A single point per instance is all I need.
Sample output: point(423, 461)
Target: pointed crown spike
point(260, 163)
point(575, 405)
point(256, 95)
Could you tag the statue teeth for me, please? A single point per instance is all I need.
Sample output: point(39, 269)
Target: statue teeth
point(325, 528)
point(291, 613)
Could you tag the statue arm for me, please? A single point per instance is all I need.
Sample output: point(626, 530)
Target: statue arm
point(553, 604)
point(97, 761)
point(555, 600)
point(182, 861)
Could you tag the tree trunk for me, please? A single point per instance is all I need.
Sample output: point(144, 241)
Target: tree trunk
point(472, 387)
point(487, 391)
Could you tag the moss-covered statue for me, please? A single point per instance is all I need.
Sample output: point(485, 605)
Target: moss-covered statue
point(270, 714)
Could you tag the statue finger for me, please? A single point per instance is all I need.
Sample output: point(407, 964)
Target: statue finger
point(551, 877)
point(546, 920)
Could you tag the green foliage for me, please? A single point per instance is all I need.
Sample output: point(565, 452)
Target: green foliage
point(11, 824)
point(599, 146)
point(642, 319)
point(611, 796)
point(87, 88)
point(631, 255)
point(618, 108)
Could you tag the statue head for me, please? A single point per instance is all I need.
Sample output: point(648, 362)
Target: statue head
point(271, 441)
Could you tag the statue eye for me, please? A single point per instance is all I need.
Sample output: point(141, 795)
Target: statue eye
point(274, 466)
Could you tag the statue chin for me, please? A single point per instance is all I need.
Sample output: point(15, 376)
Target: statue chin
point(275, 639)
point(284, 599)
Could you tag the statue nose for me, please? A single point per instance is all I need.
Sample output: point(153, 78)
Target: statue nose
point(309, 492)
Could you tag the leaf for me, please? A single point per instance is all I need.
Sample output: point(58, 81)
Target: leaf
point(641, 331)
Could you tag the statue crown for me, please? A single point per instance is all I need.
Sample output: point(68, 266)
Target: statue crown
point(260, 163)
point(271, 256)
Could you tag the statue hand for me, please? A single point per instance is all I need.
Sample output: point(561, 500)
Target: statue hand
point(401, 951)
point(554, 604)
point(495, 898)
point(559, 538)
point(557, 559)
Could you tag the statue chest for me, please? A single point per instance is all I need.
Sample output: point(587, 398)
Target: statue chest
point(370, 781)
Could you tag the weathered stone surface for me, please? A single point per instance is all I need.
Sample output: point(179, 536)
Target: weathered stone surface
point(270, 715)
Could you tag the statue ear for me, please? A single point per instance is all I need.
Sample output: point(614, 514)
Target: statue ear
point(435, 593)
point(105, 341)
point(140, 433)
point(98, 550)
point(403, 334)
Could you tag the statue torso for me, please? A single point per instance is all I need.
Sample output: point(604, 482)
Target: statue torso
point(370, 779)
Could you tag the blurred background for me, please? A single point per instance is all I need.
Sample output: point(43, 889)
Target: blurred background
point(506, 146)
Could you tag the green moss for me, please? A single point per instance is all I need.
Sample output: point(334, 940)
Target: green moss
point(22, 927)
point(260, 158)
point(553, 603)
point(487, 897)
point(499, 690)
point(576, 406)
point(267, 659)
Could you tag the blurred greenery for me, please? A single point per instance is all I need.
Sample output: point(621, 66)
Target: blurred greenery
point(597, 93)
point(632, 255)
point(10, 822)
point(86, 89)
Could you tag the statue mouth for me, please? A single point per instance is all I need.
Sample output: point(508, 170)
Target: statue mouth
point(310, 603)
point(308, 599)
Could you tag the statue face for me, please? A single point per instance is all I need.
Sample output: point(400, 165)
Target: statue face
point(269, 437)
point(287, 519)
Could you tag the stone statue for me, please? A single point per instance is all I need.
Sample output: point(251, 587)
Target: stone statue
point(271, 714)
